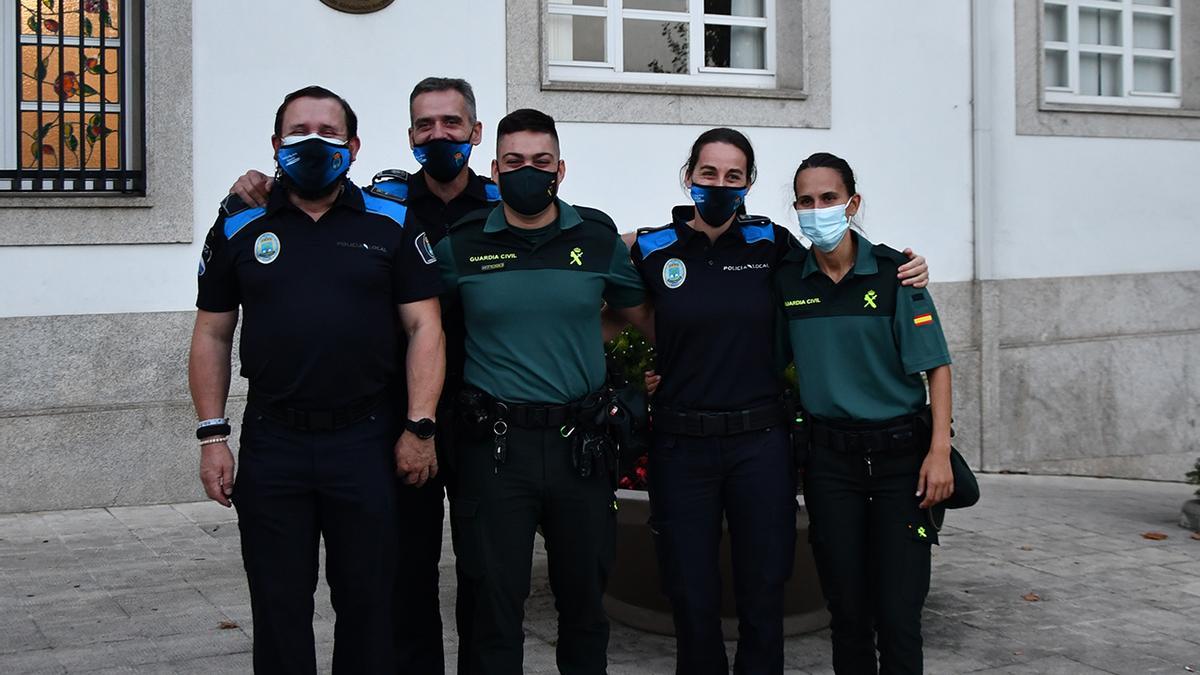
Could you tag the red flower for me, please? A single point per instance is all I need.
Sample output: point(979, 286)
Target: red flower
point(92, 65)
point(51, 25)
point(66, 85)
point(48, 149)
point(95, 6)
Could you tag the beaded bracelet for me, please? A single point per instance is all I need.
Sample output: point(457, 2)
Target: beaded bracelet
point(214, 439)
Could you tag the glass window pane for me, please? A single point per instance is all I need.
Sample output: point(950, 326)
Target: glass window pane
point(660, 5)
point(98, 16)
point(1100, 75)
point(1151, 31)
point(1056, 68)
point(1154, 3)
point(752, 8)
point(70, 140)
point(1054, 27)
point(579, 3)
point(1099, 26)
point(735, 47)
point(1152, 75)
point(83, 75)
point(655, 46)
point(576, 38)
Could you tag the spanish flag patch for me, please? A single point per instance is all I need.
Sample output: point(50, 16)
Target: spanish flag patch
point(922, 319)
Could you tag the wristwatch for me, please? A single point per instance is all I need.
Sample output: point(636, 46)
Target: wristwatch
point(424, 428)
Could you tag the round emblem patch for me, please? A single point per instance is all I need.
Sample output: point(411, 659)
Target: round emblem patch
point(674, 273)
point(266, 248)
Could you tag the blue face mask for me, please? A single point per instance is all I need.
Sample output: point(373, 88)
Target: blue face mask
point(824, 227)
point(442, 158)
point(717, 204)
point(312, 165)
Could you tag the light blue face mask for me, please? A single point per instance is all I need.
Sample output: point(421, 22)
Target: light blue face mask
point(824, 227)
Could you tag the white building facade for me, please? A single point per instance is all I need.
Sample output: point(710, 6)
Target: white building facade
point(1042, 154)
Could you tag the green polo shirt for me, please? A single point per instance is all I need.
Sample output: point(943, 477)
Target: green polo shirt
point(860, 345)
point(532, 304)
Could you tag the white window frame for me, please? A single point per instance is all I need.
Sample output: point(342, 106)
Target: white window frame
point(699, 75)
point(1126, 51)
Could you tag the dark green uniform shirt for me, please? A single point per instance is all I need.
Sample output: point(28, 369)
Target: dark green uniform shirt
point(861, 344)
point(532, 303)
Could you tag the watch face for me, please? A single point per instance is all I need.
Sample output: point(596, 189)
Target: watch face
point(423, 428)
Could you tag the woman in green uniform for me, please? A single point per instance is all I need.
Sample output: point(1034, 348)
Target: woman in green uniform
point(878, 452)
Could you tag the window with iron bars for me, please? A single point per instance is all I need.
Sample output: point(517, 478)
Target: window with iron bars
point(71, 120)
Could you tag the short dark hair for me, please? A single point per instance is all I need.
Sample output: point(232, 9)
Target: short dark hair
point(730, 137)
point(314, 91)
point(526, 119)
point(432, 84)
point(825, 160)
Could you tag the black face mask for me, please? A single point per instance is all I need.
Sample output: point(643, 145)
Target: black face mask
point(312, 166)
point(528, 190)
point(717, 204)
point(442, 158)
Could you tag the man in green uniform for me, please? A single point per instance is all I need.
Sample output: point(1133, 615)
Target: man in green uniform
point(531, 278)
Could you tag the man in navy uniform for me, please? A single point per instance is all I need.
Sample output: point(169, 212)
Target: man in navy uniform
point(324, 274)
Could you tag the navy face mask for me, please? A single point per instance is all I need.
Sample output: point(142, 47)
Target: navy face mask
point(528, 190)
point(442, 158)
point(717, 204)
point(312, 165)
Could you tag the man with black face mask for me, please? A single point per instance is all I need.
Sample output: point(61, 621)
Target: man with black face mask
point(531, 277)
point(444, 130)
point(327, 276)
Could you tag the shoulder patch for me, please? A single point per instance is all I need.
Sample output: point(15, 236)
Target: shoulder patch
point(656, 239)
point(596, 216)
point(390, 184)
point(238, 215)
point(385, 206)
point(756, 229)
point(491, 190)
point(888, 253)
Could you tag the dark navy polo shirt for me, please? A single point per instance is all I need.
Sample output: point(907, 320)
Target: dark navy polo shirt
point(319, 299)
point(438, 216)
point(716, 320)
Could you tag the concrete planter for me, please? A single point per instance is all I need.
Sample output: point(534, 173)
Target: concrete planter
point(635, 596)
point(1189, 517)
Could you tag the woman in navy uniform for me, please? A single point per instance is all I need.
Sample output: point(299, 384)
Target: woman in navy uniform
point(878, 453)
point(721, 447)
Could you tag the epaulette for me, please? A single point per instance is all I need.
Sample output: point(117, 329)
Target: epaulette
point(884, 251)
point(756, 228)
point(596, 216)
point(391, 184)
point(651, 239)
point(238, 214)
point(384, 205)
point(490, 190)
point(476, 216)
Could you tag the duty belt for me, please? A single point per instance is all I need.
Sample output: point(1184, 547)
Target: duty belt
point(315, 420)
point(699, 423)
point(535, 415)
point(893, 435)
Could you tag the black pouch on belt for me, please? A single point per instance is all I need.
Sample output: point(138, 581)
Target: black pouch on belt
point(590, 442)
point(473, 414)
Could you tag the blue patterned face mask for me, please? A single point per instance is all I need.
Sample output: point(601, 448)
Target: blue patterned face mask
point(824, 227)
point(442, 158)
point(716, 204)
point(311, 165)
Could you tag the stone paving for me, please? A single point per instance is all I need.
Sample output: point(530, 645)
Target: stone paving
point(160, 589)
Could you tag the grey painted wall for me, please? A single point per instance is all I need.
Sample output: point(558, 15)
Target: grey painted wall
point(1088, 375)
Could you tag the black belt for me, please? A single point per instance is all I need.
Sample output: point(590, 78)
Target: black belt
point(698, 423)
point(534, 415)
point(896, 434)
point(315, 420)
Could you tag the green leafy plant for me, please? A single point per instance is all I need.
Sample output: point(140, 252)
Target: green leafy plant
point(1193, 476)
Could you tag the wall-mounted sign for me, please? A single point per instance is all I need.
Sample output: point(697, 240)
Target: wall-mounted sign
point(357, 6)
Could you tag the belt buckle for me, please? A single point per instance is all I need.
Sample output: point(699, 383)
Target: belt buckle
point(711, 424)
point(538, 417)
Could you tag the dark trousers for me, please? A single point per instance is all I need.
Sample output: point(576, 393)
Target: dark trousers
point(494, 516)
point(872, 548)
point(292, 488)
point(417, 610)
point(749, 479)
